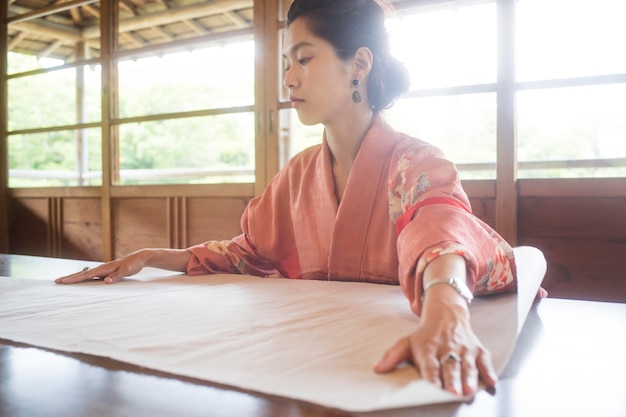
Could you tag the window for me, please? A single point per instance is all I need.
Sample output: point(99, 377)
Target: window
point(181, 90)
point(572, 131)
point(66, 157)
point(217, 146)
point(53, 98)
point(571, 96)
point(54, 105)
point(209, 149)
point(209, 77)
point(570, 85)
point(180, 96)
point(450, 52)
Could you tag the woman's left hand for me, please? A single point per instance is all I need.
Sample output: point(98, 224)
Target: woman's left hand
point(444, 348)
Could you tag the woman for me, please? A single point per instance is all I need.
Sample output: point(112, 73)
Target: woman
point(368, 204)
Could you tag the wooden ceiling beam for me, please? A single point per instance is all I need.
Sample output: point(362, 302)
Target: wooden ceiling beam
point(92, 11)
point(239, 21)
point(47, 11)
point(50, 29)
point(51, 48)
point(193, 11)
point(185, 14)
point(129, 7)
point(196, 27)
point(187, 44)
point(76, 17)
point(134, 39)
point(167, 4)
point(163, 33)
point(16, 40)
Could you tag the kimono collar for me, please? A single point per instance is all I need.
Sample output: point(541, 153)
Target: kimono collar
point(364, 206)
point(379, 138)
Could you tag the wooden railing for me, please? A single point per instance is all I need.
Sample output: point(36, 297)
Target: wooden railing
point(190, 173)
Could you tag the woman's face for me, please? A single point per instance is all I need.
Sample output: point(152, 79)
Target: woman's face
point(317, 79)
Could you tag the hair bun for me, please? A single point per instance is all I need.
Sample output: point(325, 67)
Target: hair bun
point(349, 25)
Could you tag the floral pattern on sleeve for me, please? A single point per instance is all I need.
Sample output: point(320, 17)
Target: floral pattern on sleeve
point(499, 274)
point(221, 248)
point(401, 198)
point(433, 253)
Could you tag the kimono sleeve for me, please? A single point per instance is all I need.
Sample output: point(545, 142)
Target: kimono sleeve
point(236, 256)
point(433, 217)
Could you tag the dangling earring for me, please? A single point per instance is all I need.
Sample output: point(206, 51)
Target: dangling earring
point(356, 96)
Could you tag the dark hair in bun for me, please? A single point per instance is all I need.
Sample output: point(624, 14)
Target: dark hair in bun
point(349, 25)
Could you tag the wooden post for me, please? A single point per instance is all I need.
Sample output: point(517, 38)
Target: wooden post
point(272, 89)
point(81, 134)
point(108, 42)
point(4, 148)
point(266, 92)
point(506, 171)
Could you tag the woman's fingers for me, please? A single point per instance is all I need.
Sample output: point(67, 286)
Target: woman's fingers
point(457, 373)
point(485, 368)
point(428, 367)
point(402, 352)
point(110, 272)
point(450, 366)
point(470, 375)
point(84, 275)
point(399, 353)
point(114, 277)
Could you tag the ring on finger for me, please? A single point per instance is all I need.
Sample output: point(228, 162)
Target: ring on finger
point(450, 357)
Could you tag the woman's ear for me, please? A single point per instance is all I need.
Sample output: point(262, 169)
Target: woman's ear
point(363, 59)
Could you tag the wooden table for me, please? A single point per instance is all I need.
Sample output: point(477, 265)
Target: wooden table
point(570, 360)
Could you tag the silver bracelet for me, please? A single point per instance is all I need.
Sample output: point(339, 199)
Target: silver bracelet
point(457, 283)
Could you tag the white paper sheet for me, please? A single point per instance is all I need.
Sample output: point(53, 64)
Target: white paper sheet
point(315, 341)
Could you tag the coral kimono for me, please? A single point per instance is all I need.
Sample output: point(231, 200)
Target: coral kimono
point(403, 206)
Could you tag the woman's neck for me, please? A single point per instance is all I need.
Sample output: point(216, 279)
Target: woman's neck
point(345, 136)
point(344, 141)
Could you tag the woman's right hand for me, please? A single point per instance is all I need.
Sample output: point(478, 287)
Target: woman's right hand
point(115, 271)
point(110, 272)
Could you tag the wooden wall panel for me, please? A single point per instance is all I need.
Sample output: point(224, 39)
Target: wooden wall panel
point(140, 223)
point(586, 218)
point(82, 229)
point(29, 226)
point(213, 218)
point(584, 240)
point(583, 269)
point(485, 209)
point(482, 196)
